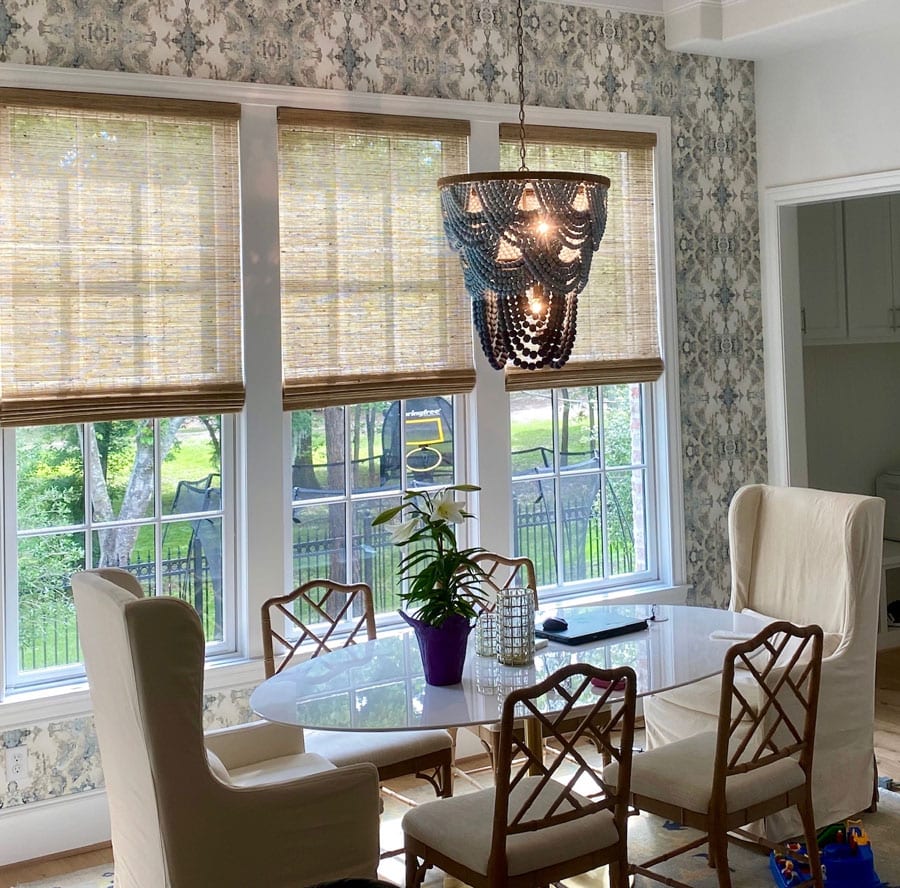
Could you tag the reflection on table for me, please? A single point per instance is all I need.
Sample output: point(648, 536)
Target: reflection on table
point(379, 685)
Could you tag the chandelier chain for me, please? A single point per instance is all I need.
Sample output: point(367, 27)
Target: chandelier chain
point(520, 72)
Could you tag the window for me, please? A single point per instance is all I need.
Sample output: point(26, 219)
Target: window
point(580, 466)
point(145, 495)
point(350, 464)
point(580, 486)
point(119, 324)
point(370, 290)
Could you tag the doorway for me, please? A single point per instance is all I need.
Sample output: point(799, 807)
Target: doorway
point(786, 413)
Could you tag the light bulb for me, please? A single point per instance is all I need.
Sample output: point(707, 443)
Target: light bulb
point(536, 301)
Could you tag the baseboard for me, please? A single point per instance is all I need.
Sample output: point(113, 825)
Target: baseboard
point(51, 828)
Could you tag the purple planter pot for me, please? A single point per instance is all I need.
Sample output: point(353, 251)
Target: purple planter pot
point(443, 648)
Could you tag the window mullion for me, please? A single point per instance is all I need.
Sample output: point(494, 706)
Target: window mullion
point(88, 474)
point(264, 443)
point(604, 481)
point(349, 502)
point(157, 506)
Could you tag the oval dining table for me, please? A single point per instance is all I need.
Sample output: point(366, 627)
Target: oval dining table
point(379, 685)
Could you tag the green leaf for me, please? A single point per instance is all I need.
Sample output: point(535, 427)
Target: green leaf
point(386, 515)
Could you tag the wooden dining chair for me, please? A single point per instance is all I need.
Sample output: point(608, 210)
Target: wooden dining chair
point(504, 572)
point(757, 763)
point(321, 616)
point(500, 572)
point(547, 817)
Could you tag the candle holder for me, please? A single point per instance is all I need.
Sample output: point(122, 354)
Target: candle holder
point(486, 634)
point(485, 672)
point(515, 626)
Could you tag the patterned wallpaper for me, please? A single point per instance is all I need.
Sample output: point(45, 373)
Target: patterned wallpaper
point(576, 57)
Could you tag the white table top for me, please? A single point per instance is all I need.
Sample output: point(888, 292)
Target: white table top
point(379, 685)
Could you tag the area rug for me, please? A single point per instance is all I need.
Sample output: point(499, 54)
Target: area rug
point(648, 835)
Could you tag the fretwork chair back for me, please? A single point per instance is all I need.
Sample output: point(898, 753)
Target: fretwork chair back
point(549, 816)
point(501, 572)
point(759, 761)
point(320, 616)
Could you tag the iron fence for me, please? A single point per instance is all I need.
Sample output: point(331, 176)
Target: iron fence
point(48, 632)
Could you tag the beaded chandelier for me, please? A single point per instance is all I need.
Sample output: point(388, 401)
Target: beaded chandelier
point(525, 240)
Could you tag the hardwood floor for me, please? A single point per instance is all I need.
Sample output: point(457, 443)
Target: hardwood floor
point(887, 754)
point(887, 714)
point(11, 876)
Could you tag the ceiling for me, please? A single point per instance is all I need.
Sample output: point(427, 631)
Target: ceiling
point(759, 29)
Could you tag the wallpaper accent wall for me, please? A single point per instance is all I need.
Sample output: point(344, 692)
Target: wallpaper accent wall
point(576, 57)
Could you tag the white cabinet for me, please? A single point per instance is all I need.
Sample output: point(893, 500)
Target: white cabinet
point(823, 303)
point(849, 263)
point(872, 248)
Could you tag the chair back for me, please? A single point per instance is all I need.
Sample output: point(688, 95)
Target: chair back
point(146, 683)
point(533, 793)
point(807, 556)
point(778, 721)
point(316, 610)
point(502, 572)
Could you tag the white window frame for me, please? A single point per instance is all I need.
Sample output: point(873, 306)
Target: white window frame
point(555, 477)
point(262, 490)
point(66, 675)
point(386, 621)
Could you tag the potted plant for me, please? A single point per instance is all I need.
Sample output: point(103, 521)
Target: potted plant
point(441, 578)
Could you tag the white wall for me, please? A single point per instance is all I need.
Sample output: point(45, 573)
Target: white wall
point(852, 420)
point(830, 111)
point(823, 113)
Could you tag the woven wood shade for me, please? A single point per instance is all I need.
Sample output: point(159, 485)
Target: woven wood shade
point(373, 305)
point(119, 258)
point(618, 336)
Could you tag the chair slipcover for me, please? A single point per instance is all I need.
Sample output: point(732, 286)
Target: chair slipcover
point(806, 556)
point(257, 811)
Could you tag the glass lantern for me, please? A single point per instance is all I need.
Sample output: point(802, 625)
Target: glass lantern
point(486, 634)
point(515, 626)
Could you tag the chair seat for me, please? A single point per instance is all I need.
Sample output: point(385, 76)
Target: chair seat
point(460, 828)
point(381, 748)
point(681, 774)
point(276, 770)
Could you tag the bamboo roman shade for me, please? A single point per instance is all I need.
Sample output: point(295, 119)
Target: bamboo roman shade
point(373, 305)
point(119, 258)
point(618, 336)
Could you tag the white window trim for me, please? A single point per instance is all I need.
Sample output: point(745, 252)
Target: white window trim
point(71, 675)
point(262, 497)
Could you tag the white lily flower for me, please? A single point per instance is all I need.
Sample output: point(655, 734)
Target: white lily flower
point(445, 508)
point(402, 532)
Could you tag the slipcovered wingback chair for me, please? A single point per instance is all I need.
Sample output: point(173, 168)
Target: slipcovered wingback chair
point(806, 556)
point(255, 810)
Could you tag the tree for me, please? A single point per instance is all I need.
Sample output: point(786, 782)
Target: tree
point(117, 543)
